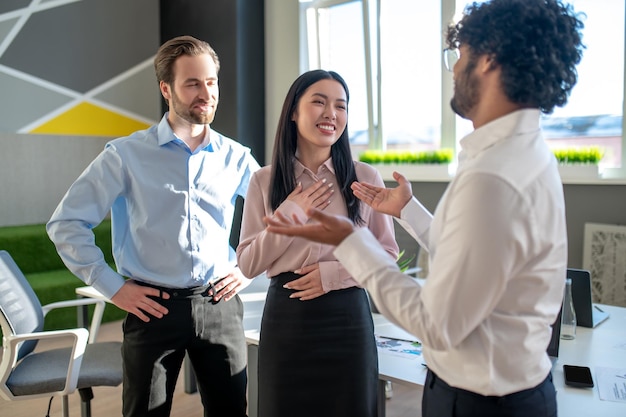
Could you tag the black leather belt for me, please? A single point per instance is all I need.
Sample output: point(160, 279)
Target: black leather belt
point(185, 293)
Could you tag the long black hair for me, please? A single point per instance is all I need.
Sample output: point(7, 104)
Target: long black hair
point(283, 180)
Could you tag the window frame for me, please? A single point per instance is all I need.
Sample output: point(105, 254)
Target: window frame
point(374, 106)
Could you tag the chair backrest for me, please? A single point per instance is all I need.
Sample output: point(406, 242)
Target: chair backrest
point(20, 307)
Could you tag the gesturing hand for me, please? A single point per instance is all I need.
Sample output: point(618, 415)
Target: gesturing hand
point(385, 200)
point(315, 196)
point(328, 229)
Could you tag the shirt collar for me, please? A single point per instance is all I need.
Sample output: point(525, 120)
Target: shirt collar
point(166, 135)
point(299, 168)
point(165, 132)
point(519, 122)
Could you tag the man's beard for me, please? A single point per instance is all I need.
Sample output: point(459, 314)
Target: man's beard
point(188, 114)
point(466, 91)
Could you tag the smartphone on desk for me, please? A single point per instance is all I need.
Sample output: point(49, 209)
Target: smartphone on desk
point(578, 376)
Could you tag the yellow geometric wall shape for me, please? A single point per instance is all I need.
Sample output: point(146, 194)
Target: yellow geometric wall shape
point(90, 120)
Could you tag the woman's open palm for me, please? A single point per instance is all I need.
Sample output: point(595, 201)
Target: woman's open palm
point(385, 200)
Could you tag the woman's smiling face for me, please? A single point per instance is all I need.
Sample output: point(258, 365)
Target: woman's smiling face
point(321, 115)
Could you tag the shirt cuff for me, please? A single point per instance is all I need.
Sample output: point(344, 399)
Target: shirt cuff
point(416, 220)
point(328, 270)
point(361, 254)
point(109, 283)
point(289, 208)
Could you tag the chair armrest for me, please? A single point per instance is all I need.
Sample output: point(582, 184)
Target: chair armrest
point(97, 314)
point(11, 344)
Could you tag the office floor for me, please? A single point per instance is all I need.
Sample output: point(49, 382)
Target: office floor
point(405, 402)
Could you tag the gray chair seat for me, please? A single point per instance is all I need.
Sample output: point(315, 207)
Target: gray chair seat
point(46, 371)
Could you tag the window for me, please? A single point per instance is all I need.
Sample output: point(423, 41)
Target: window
point(336, 42)
point(389, 52)
point(403, 109)
point(593, 114)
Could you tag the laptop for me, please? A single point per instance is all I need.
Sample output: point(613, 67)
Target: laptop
point(588, 314)
point(553, 346)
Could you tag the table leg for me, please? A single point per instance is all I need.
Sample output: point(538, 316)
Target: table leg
point(82, 320)
point(382, 398)
point(190, 376)
point(82, 315)
point(253, 380)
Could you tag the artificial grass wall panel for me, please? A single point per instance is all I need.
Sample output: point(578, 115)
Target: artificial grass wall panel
point(33, 251)
point(30, 247)
point(59, 286)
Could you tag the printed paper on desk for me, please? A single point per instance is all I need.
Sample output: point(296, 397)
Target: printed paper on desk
point(391, 331)
point(395, 347)
point(611, 384)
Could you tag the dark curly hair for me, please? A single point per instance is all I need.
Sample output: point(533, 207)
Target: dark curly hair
point(282, 178)
point(537, 44)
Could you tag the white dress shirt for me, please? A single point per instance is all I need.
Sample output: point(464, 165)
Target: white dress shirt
point(497, 258)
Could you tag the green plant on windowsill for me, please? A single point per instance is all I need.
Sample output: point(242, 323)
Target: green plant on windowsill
point(439, 156)
point(579, 155)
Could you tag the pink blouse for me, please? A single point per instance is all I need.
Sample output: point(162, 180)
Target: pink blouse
point(260, 251)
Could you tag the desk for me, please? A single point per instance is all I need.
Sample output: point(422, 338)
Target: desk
point(603, 346)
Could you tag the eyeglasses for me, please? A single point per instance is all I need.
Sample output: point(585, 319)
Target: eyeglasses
point(451, 57)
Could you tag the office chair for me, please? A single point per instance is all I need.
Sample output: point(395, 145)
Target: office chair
point(26, 374)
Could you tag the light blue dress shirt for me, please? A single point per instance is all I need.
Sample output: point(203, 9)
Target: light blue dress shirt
point(171, 210)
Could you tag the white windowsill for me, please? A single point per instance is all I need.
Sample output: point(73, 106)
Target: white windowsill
point(435, 173)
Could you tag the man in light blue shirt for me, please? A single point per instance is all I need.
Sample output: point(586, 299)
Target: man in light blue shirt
point(171, 191)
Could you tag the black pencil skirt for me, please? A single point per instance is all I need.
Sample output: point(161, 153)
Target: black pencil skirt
point(317, 358)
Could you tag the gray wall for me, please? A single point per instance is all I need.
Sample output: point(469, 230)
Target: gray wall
point(585, 203)
point(62, 54)
point(37, 170)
